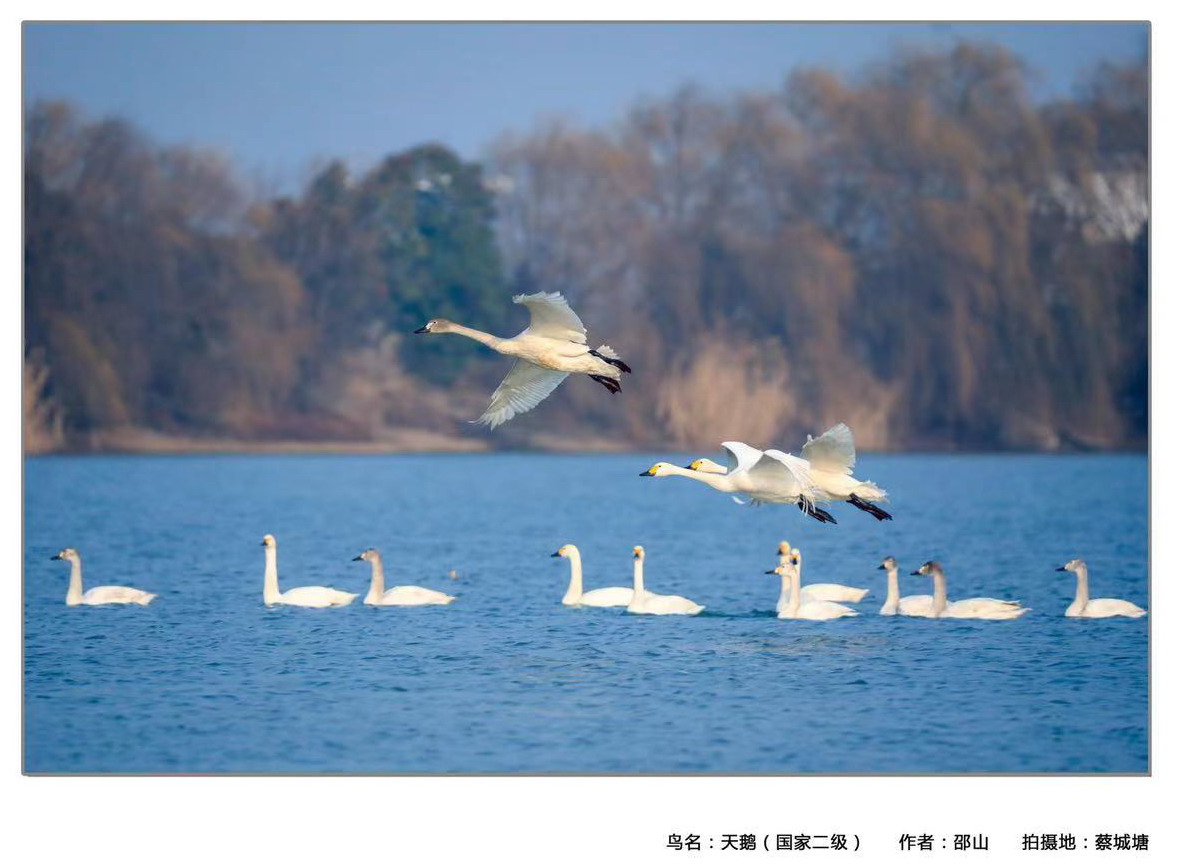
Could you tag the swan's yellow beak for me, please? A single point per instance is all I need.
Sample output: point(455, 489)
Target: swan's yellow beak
point(653, 470)
point(695, 465)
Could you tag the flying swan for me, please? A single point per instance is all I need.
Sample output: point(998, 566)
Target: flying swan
point(103, 595)
point(645, 603)
point(400, 595)
point(981, 608)
point(917, 605)
point(831, 458)
point(309, 596)
point(762, 477)
point(551, 347)
point(1102, 607)
point(820, 590)
point(577, 596)
point(798, 607)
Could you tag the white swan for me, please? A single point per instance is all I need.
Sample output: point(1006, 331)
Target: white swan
point(801, 608)
point(103, 595)
point(981, 608)
point(917, 605)
point(762, 477)
point(643, 602)
point(831, 457)
point(1102, 607)
point(551, 347)
point(310, 596)
point(400, 595)
point(819, 590)
point(577, 596)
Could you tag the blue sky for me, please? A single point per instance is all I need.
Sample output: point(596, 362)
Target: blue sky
point(277, 97)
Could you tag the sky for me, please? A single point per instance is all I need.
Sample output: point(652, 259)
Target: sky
point(278, 98)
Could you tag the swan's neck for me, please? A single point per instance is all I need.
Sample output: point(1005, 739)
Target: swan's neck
point(795, 590)
point(576, 584)
point(894, 595)
point(1082, 597)
point(74, 592)
point(638, 589)
point(271, 578)
point(789, 590)
point(376, 581)
point(477, 335)
point(939, 591)
point(715, 480)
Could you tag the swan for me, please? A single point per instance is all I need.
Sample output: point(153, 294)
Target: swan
point(982, 608)
point(643, 602)
point(762, 477)
point(103, 595)
point(551, 347)
point(819, 590)
point(830, 457)
point(577, 596)
point(798, 607)
point(310, 596)
point(1102, 607)
point(400, 595)
point(917, 605)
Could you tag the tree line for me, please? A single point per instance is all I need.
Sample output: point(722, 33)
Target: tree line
point(921, 250)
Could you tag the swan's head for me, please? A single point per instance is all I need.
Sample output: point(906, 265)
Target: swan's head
point(66, 555)
point(707, 465)
point(663, 468)
point(929, 568)
point(639, 553)
point(889, 563)
point(438, 326)
point(371, 555)
point(565, 551)
point(269, 541)
point(780, 570)
point(795, 557)
point(1072, 566)
point(784, 549)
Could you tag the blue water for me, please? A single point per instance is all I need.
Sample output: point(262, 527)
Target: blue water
point(207, 679)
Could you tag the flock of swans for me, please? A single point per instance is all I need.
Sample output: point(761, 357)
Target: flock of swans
point(555, 345)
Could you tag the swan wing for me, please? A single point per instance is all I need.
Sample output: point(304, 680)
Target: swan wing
point(316, 596)
point(523, 388)
point(741, 456)
point(414, 595)
point(784, 473)
point(103, 594)
point(552, 318)
point(605, 597)
point(834, 450)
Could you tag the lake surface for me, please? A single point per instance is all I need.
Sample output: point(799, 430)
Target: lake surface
point(507, 680)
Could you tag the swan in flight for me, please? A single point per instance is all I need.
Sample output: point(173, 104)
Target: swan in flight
point(799, 607)
point(819, 590)
point(1102, 607)
point(645, 603)
point(917, 605)
point(400, 595)
point(551, 347)
point(310, 596)
point(762, 477)
point(982, 608)
point(831, 457)
point(103, 594)
point(577, 596)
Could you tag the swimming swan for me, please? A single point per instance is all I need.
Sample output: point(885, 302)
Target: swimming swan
point(819, 590)
point(103, 595)
point(577, 596)
point(551, 347)
point(645, 603)
point(310, 596)
point(400, 595)
point(981, 608)
point(1102, 607)
point(801, 608)
point(762, 477)
point(831, 457)
point(917, 605)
